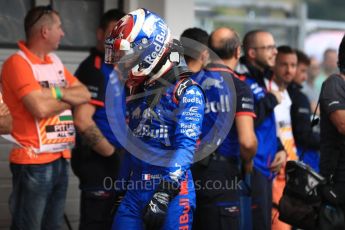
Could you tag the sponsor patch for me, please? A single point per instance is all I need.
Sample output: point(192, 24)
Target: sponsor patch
point(223, 105)
point(247, 106)
point(151, 176)
point(333, 103)
point(182, 87)
point(145, 130)
point(192, 100)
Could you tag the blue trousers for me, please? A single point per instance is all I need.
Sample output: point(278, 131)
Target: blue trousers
point(39, 193)
point(261, 201)
point(180, 212)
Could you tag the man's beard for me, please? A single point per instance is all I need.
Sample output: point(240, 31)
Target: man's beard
point(262, 64)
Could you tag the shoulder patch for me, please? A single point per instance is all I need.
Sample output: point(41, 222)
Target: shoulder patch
point(181, 87)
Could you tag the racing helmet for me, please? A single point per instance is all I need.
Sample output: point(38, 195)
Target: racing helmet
point(139, 41)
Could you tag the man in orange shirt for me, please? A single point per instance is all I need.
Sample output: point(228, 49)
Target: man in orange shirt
point(40, 93)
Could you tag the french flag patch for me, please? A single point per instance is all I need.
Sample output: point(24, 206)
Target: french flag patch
point(146, 176)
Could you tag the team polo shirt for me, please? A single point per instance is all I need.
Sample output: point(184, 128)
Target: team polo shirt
point(244, 107)
point(96, 75)
point(332, 157)
point(18, 80)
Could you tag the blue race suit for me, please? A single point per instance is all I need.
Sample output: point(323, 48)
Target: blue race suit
point(224, 165)
point(169, 129)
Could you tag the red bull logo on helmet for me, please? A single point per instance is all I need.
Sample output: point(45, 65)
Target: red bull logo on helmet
point(158, 43)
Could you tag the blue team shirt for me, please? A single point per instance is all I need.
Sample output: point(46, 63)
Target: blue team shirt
point(221, 94)
point(266, 133)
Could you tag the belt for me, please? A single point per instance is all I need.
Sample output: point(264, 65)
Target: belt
point(220, 158)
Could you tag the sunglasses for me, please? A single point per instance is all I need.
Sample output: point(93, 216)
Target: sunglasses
point(44, 10)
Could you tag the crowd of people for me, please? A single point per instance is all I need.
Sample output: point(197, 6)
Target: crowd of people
point(201, 111)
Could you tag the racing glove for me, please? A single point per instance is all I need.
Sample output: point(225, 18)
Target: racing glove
point(157, 208)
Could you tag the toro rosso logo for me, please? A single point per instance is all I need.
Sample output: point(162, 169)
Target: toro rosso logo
point(158, 43)
point(210, 82)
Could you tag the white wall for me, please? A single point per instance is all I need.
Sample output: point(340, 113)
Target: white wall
point(179, 15)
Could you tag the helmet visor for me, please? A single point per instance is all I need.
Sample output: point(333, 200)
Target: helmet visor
point(120, 51)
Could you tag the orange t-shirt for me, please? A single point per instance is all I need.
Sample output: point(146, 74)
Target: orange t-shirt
point(18, 81)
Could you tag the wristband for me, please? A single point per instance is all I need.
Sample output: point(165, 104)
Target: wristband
point(53, 92)
point(58, 93)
